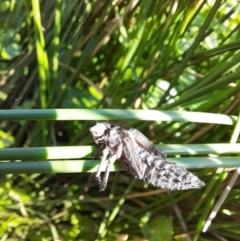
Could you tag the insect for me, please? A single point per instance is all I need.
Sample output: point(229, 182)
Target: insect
point(139, 158)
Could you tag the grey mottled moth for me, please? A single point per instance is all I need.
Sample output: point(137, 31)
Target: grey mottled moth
point(139, 158)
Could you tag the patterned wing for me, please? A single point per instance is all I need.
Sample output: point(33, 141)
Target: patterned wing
point(170, 176)
point(143, 142)
point(161, 173)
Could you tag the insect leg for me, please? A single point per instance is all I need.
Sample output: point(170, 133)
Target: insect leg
point(111, 160)
point(103, 183)
point(96, 154)
point(105, 153)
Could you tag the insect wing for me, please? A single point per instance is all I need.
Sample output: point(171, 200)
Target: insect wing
point(143, 141)
point(130, 154)
point(172, 177)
